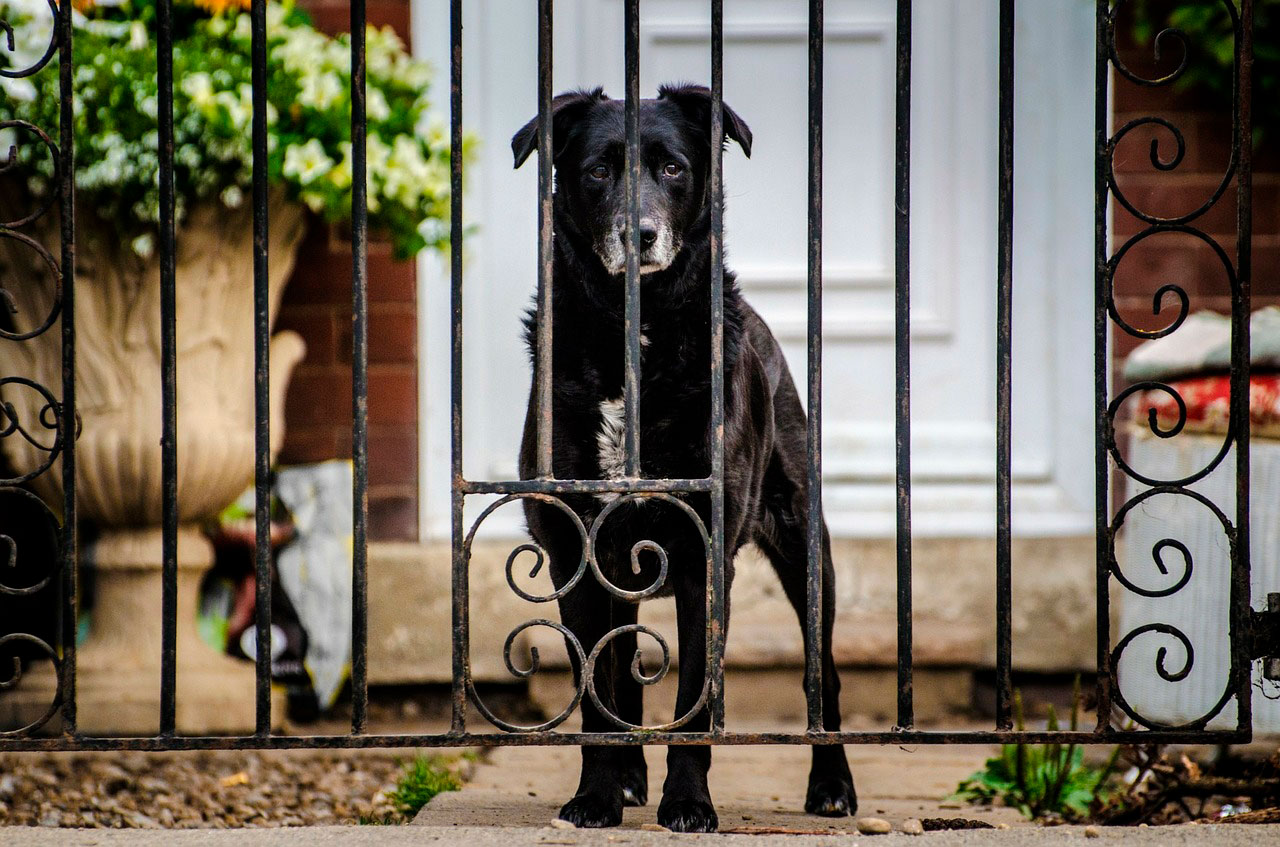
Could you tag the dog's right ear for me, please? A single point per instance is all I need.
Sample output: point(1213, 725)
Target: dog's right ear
point(565, 109)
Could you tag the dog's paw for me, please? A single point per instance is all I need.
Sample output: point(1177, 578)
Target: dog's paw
point(635, 787)
point(587, 811)
point(832, 797)
point(686, 814)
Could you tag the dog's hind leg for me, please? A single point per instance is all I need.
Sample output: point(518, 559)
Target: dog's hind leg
point(686, 799)
point(784, 539)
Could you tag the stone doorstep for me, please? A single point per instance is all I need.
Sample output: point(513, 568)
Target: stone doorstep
point(953, 609)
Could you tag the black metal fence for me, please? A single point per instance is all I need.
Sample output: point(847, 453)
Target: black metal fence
point(1252, 634)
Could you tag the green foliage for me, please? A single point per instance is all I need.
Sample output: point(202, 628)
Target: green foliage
point(1210, 41)
point(423, 779)
point(308, 116)
point(1041, 779)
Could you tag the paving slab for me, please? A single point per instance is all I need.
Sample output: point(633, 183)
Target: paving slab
point(489, 836)
point(754, 787)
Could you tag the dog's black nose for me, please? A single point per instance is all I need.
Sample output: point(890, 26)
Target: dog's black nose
point(648, 235)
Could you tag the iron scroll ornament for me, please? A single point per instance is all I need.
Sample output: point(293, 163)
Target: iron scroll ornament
point(52, 418)
point(1158, 225)
point(587, 662)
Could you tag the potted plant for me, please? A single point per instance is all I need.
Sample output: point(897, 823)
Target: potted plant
point(309, 166)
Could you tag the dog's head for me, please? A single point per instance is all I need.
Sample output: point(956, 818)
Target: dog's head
point(589, 140)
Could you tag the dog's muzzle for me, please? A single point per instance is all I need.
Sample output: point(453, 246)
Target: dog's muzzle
point(658, 247)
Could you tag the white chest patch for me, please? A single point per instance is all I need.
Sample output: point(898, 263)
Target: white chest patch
point(611, 443)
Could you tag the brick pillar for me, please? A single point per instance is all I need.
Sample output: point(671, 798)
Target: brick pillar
point(317, 304)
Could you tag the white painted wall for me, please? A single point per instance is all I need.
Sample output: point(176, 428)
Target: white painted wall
point(953, 238)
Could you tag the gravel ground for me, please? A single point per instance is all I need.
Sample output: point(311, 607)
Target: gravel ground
point(201, 790)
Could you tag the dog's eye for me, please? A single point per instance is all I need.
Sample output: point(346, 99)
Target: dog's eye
point(599, 172)
point(672, 169)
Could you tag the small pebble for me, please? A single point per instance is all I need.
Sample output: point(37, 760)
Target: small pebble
point(1092, 832)
point(874, 826)
point(560, 823)
point(912, 826)
point(1002, 825)
point(653, 827)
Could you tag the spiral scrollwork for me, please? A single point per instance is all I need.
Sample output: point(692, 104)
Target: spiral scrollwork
point(642, 546)
point(9, 558)
point(1161, 546)
point(535, 664)
point(50, 419)
point(19, 638)
point(1160, 47)
point(1162, 670)
point(638, 674)
point(1172, 558)
point(529, 547)
point(12, 46)
point(10, 160)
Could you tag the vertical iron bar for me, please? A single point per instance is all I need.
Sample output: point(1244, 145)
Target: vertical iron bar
point(261, 374)
point(631, 318)
point(1102, 470)
point(813, 616)
point(716, 631)
point(902, 352)
point(1240, 364)
point(1004, 378)
point(168, 371)
point(545, 231)
point(459, 572)
point(359, 377)
point(67, 168)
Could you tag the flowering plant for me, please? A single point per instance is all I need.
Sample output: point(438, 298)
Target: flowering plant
point(308, 116)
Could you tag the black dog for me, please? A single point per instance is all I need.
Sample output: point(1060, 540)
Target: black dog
point(766, 498)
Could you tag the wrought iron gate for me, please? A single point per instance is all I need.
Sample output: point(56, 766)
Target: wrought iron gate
point(1253, 633)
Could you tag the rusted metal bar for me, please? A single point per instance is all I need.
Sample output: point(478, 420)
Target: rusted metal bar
point(359, 378)
point(902, 359)
point(618, 739)
point(813, 436)
point(631, 184)
point(69, 423)
point(546, 160)
point(716, 597)
point(459, 581)
point(261, 375)
point(1101, 361)
point(168, 373)
point(1241, 312)
point(1004, 378)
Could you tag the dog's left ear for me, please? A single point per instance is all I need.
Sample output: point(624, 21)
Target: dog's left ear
point(695, 102)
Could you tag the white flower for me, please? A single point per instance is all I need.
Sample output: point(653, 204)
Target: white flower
point(138, 35)
point(320, 90)
point(199, 87)
point(306, 162)
point(143, 245)
point(376, 106)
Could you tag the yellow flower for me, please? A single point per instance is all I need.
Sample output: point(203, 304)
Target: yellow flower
point(217, 7)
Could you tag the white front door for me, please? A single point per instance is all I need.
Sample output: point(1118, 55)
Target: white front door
point(952, 254)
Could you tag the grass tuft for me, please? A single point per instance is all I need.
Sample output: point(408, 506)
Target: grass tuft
point(423, 779)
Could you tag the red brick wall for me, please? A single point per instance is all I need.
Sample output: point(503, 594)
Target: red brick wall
point(317, 304)
point(1180, 259)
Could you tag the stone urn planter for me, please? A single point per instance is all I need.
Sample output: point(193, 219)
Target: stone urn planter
point(118, 482)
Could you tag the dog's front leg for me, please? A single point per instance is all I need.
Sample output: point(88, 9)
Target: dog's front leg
point(600, 796)
point(686, 799)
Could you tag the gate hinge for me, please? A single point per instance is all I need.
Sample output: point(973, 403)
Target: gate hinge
point(1264, 633)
